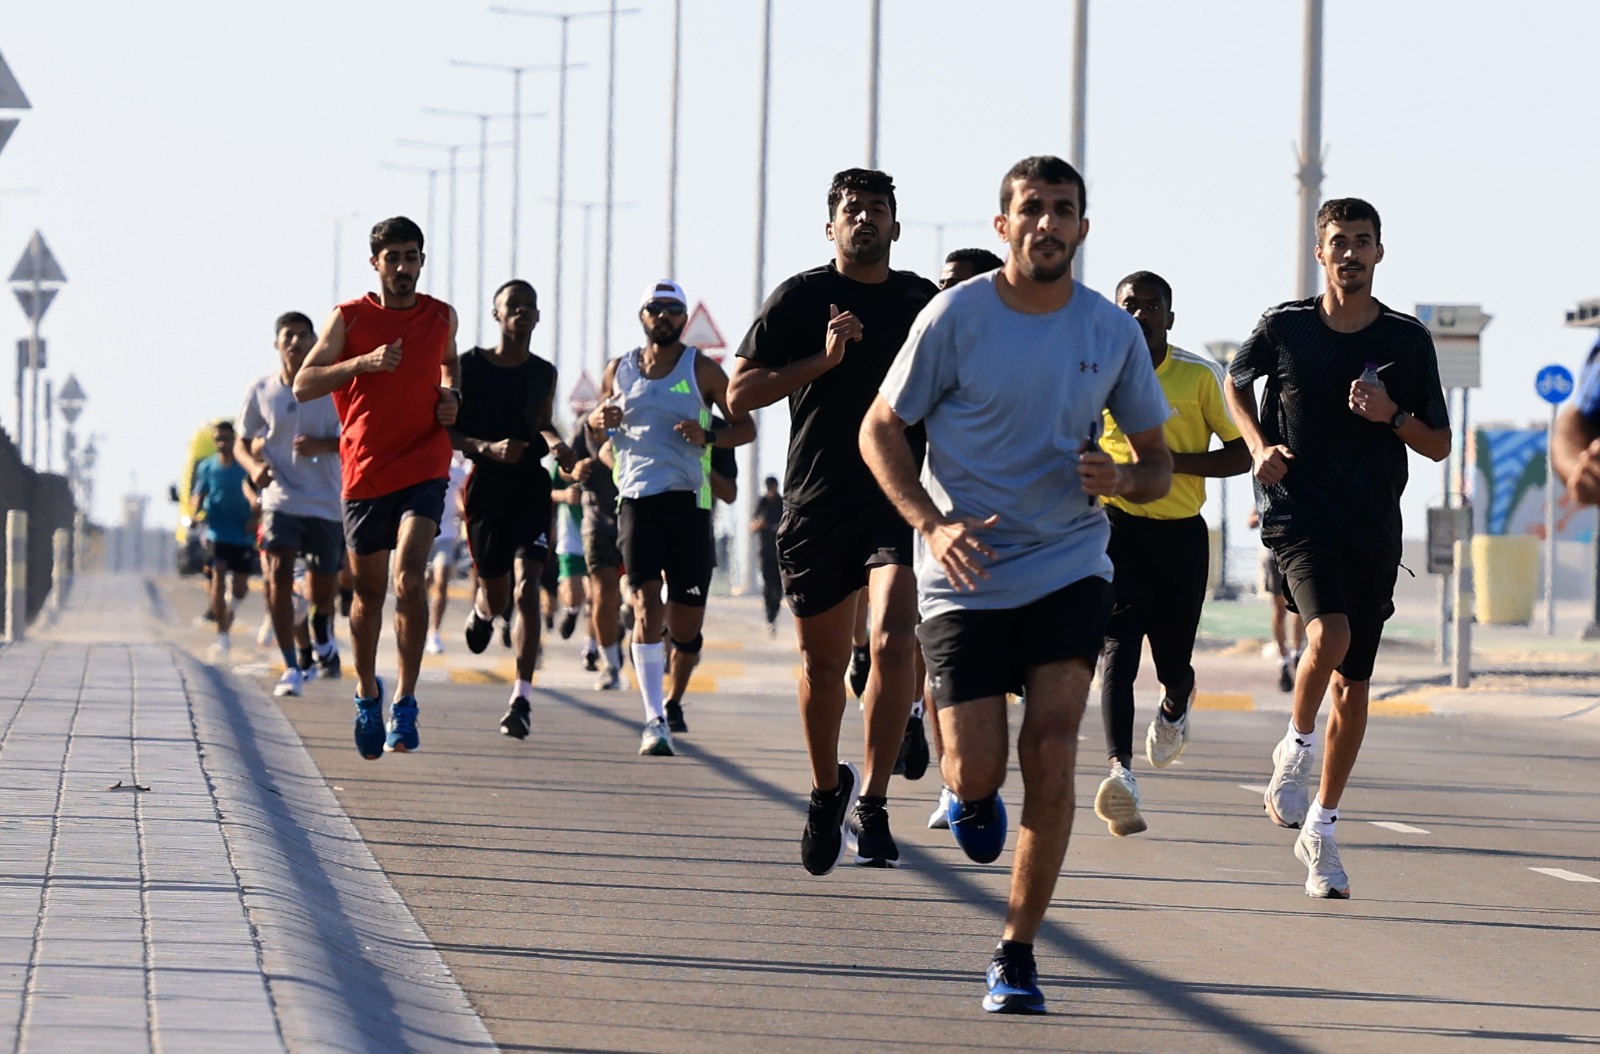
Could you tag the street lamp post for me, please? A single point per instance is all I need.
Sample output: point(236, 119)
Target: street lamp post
point(452, 150)
point(874, 55)
point(1080, 102)
point(752, 476)
point(516, 141)
point(1310, 174)
point(1223, 351)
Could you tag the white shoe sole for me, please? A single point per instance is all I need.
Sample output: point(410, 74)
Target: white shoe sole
point(1119, 809)
point(1266, 799)
point(1150, 749)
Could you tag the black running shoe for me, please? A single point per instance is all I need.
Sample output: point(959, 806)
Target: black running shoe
point(478, 631)
point(869, 830)
point(675, 723)
point(822, 843)
point(303, 657)
point(505, 631)
point(328, 668)
point(1285, 677)
point(591, 661)
point(517, 721)
point(860, 668)
point(569, 622)
point(913, 760)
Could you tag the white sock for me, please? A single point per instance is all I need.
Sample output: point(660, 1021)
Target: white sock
point(1296, 738)
point(222, 639)
point(590, 647)
point(1321, 818)
point(916, 708)
point(523, 689)
point(650, 662)
point(614, 655)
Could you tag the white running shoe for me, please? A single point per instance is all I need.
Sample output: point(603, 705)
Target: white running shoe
point(1288, 796)
point(657, 739)
point(610, 679)
point(434, 644)
point(939, 819)
point(220, 651)
point(1325, 879)
point(1117, 802)
point(289, 683)
point(265, 635)
point(1165, 740)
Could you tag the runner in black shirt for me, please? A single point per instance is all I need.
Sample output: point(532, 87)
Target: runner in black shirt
point(506, 432)
point(824, 339)
point(1350, 385)
point(769, 512)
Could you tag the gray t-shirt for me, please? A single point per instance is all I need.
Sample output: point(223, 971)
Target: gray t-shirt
point(1009, 399)
point(301, 486)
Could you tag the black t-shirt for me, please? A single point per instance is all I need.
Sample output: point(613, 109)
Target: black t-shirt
point(505, 402)
point(1348, 473)
point(599, 489)
point(769, 507)
point(826, 475)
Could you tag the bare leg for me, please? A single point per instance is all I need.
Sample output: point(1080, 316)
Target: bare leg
point(219, 598)
point(892, 681)
point(439, 591)
point(525, 632)
point(1328, 638)
point(278, 585)
point(824, 656)
point(1347, 727)
point(605, 585)
point(371, 584)
point(411, 599)
point(683, 623)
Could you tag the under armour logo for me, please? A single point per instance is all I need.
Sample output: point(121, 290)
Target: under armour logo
point(1088, 367)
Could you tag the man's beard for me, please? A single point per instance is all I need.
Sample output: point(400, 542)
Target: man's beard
point(401, 285)
point(874, 252)
point(665, 334)
point(1044, 272)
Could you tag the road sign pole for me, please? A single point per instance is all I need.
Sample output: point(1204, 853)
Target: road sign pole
point(1550, 529)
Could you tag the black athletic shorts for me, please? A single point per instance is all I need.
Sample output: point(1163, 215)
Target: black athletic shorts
point(667, 535)
point(974, 654)
point(823, 561)
point(507, 518)
point(319, 541)
point(1322, 578)
point(372, 525)
point(239, 559)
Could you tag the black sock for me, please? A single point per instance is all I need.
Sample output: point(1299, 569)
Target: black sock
point(320, 623)
point(346, 596)
point(305, 658)
point(288, 656)
point(871, 802)
point(1014, 950)
point(863, 652)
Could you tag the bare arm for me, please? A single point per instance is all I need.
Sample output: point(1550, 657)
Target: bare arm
point(606, 415)
point(1232, 460)
point(754, 385)
point(1575, 453)
point(322, 371)
point(740, 429)
point(448, 404)
point(953, 542)
point(1146, 478)
point(244, 451)
point(724, 489)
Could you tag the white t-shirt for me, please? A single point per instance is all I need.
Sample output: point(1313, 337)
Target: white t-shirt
point(301, 486)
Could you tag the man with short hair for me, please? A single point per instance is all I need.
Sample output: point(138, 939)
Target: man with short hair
point(1010, 373)
point(217, 494)
point(603, 559)
point(389, 360)
point(655, 410)
point(508, 394)
point(290, 450)
point(1161, 552)
point(1350, 385)
point(963, 264)
point(824, 340)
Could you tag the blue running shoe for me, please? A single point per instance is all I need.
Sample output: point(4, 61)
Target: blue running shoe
point(369, 725)
point(1013, 987)
point(403, 738)
point(979, 827)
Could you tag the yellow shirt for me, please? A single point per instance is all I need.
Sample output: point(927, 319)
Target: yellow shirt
point(1193, 385)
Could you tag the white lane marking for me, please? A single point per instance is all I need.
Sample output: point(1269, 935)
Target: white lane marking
point(1566, 876)
point(1403, 828)
point(1254, 788)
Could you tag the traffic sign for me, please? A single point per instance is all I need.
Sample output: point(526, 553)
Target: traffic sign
point(25, 355)
point(701, 331)
point(35, 308)
point(7, 126)
point(38, 264)
point(585, 396)
point(1554, 384)
point(11, 97)
point(1455, 329)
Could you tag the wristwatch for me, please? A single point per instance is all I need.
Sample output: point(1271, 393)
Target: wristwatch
point(711, 437)
point(1398, 419)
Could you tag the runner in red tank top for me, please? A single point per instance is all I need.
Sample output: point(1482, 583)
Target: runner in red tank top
point(389, 361)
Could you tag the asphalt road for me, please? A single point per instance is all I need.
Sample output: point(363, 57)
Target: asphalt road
point(588, 899)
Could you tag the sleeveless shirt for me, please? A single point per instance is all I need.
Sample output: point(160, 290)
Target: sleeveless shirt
point(651, 457)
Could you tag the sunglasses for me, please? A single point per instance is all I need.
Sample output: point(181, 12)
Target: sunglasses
point(664, 307)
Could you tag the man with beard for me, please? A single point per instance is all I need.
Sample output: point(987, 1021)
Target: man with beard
point(1350, 386)
point(389, 360)
point(655, 409)
point(824, 339)
point(1010, 373)
point(1162, 554)
point(291, 453)
point(507, 398)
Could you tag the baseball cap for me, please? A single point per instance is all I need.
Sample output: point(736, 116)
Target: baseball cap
point(665, 289)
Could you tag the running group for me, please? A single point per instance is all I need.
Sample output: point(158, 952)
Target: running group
point(1005, 471)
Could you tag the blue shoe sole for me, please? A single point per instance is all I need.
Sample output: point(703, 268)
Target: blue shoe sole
point(1013, 1006)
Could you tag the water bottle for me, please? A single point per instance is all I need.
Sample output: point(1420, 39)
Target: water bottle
point(1370, 375)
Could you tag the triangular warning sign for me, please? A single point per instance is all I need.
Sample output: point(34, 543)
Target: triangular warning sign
point(34, 309)
point(11, 97)
point(38, 264)
point(585, 396)
point(701, 331)
point(7, 126)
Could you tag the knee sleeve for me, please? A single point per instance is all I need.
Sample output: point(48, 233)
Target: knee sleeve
point(690, 647)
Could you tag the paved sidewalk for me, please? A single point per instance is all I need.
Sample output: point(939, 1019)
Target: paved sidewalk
point(176, 875)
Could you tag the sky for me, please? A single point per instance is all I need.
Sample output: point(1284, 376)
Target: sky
point(190, 163)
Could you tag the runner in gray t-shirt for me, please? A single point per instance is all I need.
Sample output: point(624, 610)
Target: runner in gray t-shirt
point(1010, 372)
point(291, 450)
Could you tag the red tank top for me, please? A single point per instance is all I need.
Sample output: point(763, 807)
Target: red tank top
point(389, 438)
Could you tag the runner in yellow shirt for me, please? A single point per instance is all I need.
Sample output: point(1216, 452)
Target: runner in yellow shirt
point(1162, 554)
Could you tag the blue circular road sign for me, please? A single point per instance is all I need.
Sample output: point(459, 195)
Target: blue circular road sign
point(1554, 384)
